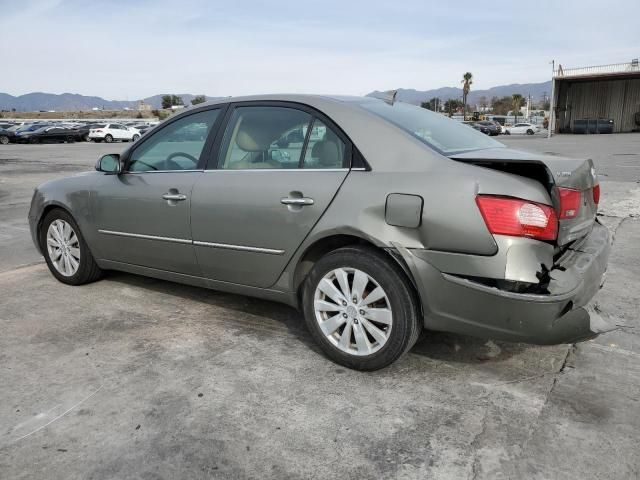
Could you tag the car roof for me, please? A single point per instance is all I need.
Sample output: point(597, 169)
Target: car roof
point(293, 97)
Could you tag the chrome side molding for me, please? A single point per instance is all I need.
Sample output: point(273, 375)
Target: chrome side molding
point(226, 246)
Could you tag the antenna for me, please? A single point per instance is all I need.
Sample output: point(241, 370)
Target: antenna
point(389, 96)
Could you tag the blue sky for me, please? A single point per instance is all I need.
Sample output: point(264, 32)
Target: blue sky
point(128, 49)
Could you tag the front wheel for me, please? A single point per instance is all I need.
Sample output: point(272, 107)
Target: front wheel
point(87, 138)
point(530, 132)
point(4, 140)
point(360, 308)
point(65, 250)
point(135, 138)
point(108, 138)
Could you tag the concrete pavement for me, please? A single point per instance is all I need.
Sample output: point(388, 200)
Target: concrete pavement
point(132, 377)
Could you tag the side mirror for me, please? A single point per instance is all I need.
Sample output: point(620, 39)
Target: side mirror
point(280, 155)
point(109, 164)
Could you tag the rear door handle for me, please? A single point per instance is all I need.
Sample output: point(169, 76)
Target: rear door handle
point(174, 196)
point(297, 201)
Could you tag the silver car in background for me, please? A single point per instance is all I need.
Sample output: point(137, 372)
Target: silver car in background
point(375, 219)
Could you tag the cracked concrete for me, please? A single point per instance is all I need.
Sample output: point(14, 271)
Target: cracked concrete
point(138, 378)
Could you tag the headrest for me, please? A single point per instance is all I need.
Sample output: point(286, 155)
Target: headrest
point(253, 136)
point(327, 153)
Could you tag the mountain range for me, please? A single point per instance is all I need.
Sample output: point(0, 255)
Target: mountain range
point(536, 90)
point(35, 101)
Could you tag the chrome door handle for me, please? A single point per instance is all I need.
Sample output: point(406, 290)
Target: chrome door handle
point(297, 201)
point(174, 196)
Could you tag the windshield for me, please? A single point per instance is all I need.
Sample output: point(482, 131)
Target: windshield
point(441, 133)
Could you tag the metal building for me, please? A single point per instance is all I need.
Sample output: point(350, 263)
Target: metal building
point(599, 92)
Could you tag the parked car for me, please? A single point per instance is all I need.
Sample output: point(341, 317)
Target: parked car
point(478, 126)
point(522, 128)
point(84, 129)
point(110, 132)
point(6, 136)
point(389, 220)
point(46, 134)
point(489, 127)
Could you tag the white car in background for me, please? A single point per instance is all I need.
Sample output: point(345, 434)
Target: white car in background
point(110, 132)
point(522, 129)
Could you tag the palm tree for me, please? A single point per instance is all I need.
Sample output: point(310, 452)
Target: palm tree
point(466, 80)
point(516, 103)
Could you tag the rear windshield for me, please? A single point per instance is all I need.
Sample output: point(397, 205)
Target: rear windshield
point(441, 133)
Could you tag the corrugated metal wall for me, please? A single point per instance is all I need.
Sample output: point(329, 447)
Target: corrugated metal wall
point(615, 99)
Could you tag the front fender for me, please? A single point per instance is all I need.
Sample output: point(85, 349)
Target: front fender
point(71, 194)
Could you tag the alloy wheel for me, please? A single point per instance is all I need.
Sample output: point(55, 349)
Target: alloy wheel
point(63, 247)
point(353, 311)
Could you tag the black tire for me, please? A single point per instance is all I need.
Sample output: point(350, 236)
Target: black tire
point(530, 132)
point(108, 138)
point(407, 323)
point(4, 140)
point(34, 140)
point(86, 138)
point(507, 132)
point(135, 138)
point(70, 139)
point(88, 270)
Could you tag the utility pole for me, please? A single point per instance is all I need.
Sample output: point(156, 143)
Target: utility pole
point(553, 99)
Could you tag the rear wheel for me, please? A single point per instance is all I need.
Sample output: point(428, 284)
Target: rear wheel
point(530, 132)
point(108, 138)
point(86, 138)
point(360, 308)
point(4, 140)
point(34, 140)
point(135, 138)
point(65, 250)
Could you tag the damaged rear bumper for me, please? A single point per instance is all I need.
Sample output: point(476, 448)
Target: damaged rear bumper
point(457, 304)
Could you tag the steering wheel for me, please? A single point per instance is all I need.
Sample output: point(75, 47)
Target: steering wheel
point(176, 165)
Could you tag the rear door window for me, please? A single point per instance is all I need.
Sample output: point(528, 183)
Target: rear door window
point(325, 150)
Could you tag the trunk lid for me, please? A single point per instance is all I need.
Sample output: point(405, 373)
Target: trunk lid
point(552, 172)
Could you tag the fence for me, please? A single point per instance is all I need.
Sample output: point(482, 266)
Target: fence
point(612, 69)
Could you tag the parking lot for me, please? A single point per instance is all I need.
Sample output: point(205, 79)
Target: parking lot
point(132, 377)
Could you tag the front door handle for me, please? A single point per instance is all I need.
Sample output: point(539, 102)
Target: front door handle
point(297, 201)
point(177, 197)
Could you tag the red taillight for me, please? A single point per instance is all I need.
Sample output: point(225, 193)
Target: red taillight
point(596, 194)
point(569, 202)
point(518, 218)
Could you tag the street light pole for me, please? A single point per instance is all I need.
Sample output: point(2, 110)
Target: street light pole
point(553, 99)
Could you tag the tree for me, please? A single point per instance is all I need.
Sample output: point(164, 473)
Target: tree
point(501, 106)
point(166, 101)
point(517, 101)
point(466, 88)
point(432, 104)
point(169, 101)
point(452, 105)
point(198, 99)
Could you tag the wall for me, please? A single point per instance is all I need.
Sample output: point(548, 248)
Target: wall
point(618, 99)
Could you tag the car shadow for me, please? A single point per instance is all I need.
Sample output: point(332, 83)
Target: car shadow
point(441, 346)
point(283, 315)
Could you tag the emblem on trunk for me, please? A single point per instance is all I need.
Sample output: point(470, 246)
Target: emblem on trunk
point(563, 174)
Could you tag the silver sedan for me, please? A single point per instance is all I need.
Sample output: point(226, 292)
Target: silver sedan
point(376, 219)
